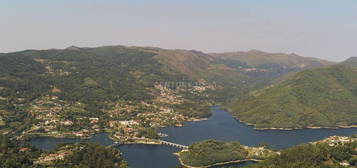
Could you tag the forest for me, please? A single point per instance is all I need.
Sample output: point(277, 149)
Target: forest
point(323, 97)
point(313, 156)
point(211, 151)
point(15, 154)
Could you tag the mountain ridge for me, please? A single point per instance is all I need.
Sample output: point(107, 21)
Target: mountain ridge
point(257, 58)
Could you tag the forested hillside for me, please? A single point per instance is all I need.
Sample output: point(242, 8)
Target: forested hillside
point(324, 97)
point(84, 90)
point(259, 58)
point(316, 155)
point(266, 68)
point(212, 152)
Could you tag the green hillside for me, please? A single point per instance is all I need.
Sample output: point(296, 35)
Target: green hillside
point(320, 155)
point(263, 68)
point(324, 97)
point(259, 58)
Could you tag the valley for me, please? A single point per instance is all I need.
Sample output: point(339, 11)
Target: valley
point(141, 95)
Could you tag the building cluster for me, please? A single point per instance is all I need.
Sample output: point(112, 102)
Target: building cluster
point(53, 118)
point(48, 158)
point(337, 140)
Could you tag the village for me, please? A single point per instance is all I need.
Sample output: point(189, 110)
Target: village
point(126, 121)
point(156, 114)
point(337, 140)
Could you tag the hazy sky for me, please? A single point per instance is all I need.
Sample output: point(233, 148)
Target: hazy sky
point(316, 28)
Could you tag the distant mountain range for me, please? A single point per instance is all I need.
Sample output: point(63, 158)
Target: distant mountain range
point(259, 58)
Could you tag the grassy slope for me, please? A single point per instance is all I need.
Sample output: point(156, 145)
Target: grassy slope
point(324, 97)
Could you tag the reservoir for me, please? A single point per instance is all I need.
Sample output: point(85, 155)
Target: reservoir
point(221, 126)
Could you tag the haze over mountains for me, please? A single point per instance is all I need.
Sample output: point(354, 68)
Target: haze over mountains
point(259, 58)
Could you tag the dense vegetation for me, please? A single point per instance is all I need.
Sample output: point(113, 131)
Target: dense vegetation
point(210, 152)
point(149, 133)
point(16, 154)
point(94, 77)
point(88, 75)
point(258, 58)
point(91, 156)
point(324, 97)
point(312, 156)
point(259, 69)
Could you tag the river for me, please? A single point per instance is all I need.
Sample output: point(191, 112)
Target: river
point(221, 126)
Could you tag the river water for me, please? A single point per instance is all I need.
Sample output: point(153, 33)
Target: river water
point(220, 126)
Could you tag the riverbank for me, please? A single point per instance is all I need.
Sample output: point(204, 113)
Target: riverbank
point(291, 129)
point(36, 135)
point(282, 128)
point(215, 164)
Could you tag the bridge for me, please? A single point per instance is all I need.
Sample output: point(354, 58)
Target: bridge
point(173, 144)
point(159, 142)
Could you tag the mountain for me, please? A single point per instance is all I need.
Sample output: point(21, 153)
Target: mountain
point(264, 68)
point(352, 61)
point(197, 65)
point(322, 97)
point(65, 92)
point(75, 89)
point(258, 58)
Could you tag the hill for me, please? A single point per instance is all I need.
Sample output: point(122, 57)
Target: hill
point(259, 58)
point(264, 68)
point(323, 97)
point(211, 153)
point(352, 61)
point(321, 154)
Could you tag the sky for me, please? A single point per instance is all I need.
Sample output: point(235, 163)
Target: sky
point(314, 28)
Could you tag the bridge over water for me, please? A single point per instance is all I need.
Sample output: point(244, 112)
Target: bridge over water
point(162, 142)
point(173, 144)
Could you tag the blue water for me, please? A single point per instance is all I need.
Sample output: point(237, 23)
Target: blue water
point(220, 126)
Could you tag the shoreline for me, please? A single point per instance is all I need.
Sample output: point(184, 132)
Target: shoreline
point(291, 129)
point(222, 107)
point(30, 136)
point(215, 164)
point(280, 128)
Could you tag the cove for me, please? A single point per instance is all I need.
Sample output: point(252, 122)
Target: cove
point(221, 126)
